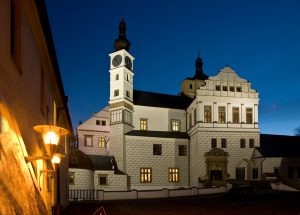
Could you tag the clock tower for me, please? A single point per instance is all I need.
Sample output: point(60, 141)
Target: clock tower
point(121, 96)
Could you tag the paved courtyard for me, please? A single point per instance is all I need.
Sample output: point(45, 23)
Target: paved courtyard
point(275, 203)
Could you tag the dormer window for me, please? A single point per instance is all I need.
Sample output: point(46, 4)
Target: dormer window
point(225, 88)
point(218, 87)
point(239, 89)
point(97, 122)
point(231, 88)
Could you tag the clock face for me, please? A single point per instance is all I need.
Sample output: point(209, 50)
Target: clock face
point(116, 61)
point(128, 62)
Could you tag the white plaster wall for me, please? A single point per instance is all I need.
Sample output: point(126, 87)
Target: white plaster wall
point(139, 153)
point(159, 119)
point(83, 179)
point(201, 143)
point(114, 182)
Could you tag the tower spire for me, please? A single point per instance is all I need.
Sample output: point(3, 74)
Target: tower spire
point(199, 74)
point(122, 42)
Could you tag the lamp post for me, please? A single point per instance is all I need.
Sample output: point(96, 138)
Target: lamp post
point(51, 136)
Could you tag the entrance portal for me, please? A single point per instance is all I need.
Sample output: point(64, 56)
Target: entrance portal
point(216, 166)
point(215, 175)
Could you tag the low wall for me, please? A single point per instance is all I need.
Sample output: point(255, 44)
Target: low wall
point(101, 195)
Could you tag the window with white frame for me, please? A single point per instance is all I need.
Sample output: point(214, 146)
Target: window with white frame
point(127, 117)
point(207, 113)
point(116, 116)
point(146, 175)
point(173, 175)
point(222, 115)
point(249, 115)
point(88, 140)
point(182, 150)
point(235, 115)
point(71, 178)
point(102, 142)
point(175, 125)
point(143, 124)
point(102, 179)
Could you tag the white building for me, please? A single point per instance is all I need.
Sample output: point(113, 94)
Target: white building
point(207, 135)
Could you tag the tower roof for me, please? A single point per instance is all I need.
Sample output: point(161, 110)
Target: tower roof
point(199, 74)
point(122, 42)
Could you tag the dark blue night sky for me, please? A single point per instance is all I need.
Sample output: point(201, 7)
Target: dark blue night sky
point(259, 39)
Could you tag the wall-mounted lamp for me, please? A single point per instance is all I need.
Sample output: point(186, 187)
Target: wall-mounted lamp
point(50, 133)
point(51, 136)
point(56, 158)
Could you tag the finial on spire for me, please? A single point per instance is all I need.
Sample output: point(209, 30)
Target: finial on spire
point(122, 42)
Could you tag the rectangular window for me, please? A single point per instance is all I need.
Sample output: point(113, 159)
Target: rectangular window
point(213, 143)
point(175, 125)
point(71, 178)
point(103, 123)
point(255, 173)
point(190, 120)
point(242, 143)
point(224, 143)
point(127, 93)
point(276, 172)
point(251, 143)
point(231, 88)
point(195, 116)
point(235, 115)
point(157, 149)
point(116, 93)
point(103, 180)
point(218, 87)
point(146, 175)
point(239, 89)
point(249, 115)
point(290, 172)
point(207, 114)
point(144, 124)
point(225, 88)
point(182, 150)
point(116, 116)
point(240, 173)
point(127, 117)
point(222, 115)
point(191, 86)
point(173, 175)
point(97, 122)
point(88, 140)
point(102, 142)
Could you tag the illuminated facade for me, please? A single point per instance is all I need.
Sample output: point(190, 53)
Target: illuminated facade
point(207, 135)
point(31, 93)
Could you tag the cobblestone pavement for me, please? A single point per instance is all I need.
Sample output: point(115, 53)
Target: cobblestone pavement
point(275, 203)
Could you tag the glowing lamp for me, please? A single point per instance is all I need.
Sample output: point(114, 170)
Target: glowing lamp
point(56, 158)
point(50, 133)
point(51, 138)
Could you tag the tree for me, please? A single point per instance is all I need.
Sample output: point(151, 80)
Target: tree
point(297, 131)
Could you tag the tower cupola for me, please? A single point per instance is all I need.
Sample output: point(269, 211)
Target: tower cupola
point(122, 42)
point(199, 74)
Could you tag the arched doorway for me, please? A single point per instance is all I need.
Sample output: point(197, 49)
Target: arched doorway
point(216, 166)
